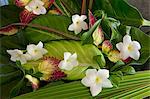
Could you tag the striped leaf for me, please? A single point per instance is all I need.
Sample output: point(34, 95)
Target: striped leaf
point(85, 54)
point(132, 86)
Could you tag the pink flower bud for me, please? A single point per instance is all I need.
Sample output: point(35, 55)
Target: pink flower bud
point(34, 81)
point(98, 36)
point(21, 3)
point(9, 30)
point(49, 68)
point(127, 60)
point(106, 46)
point(114, 56)
point(92, 19)
point(26, 16)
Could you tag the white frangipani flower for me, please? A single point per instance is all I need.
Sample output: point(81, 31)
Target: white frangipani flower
point(78, 24)
point(69, 61)
point(18, 55)
point(36, 51)
point(129, 48)
point(96, 80)
point(36, 6)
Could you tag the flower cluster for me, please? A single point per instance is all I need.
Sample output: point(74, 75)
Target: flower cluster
point(34, 52)
point(54, 69)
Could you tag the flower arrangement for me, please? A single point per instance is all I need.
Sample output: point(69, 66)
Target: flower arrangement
point(60, 49)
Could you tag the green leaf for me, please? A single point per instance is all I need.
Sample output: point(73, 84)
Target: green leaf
point(100, 60)
point(71, 6)
point(130, 84)
point(128, 70)
point(49, 28)
point(57, 48)
point(9, 73)
point(15, 91)
point(144, 40)
point(117, 66)
point(9, 14)
point(76, 73)
point(87, 36)
point(121, 10)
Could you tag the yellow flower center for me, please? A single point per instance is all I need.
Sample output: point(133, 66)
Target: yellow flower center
point(98, 80)
point(130, 47)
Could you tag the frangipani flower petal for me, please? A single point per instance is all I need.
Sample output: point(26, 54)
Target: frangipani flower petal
point(83, 17)
point(95, 90)
point(71, 27)
point(67, 55)
point(119, 46)
point(136, 45)
point(127, 39)
point(104, 73)
point(106, 83)
point(135, 55)
point(91, 72)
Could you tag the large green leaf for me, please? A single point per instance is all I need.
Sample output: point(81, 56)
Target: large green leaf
point(121, 10)
point(55, 23)
point(132, 86)
point(9, 73)
point(9, 14)
point(85, 52)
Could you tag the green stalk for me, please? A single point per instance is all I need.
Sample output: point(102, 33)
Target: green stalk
point(90, 4)
point(60, 33)
point(146, 22)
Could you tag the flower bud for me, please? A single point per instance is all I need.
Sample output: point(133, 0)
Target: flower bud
point(55, 11)
point(9, 30)
point(21, 3)
point(92, 19)
point(48, 3)
point(98, 36)
point(127, 60)
point(114, 56)
point(49, 68)
point(106, 46)
point(34, 81)
point(26, 16)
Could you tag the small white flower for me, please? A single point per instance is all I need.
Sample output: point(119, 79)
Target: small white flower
point(18, 55)
point(36, 51)
point(96, 80)
point(36, 6)
point(129, 48)
point(78, 24)
point(69, 61)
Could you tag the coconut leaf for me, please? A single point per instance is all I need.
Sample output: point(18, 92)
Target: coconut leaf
point(131, 86)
